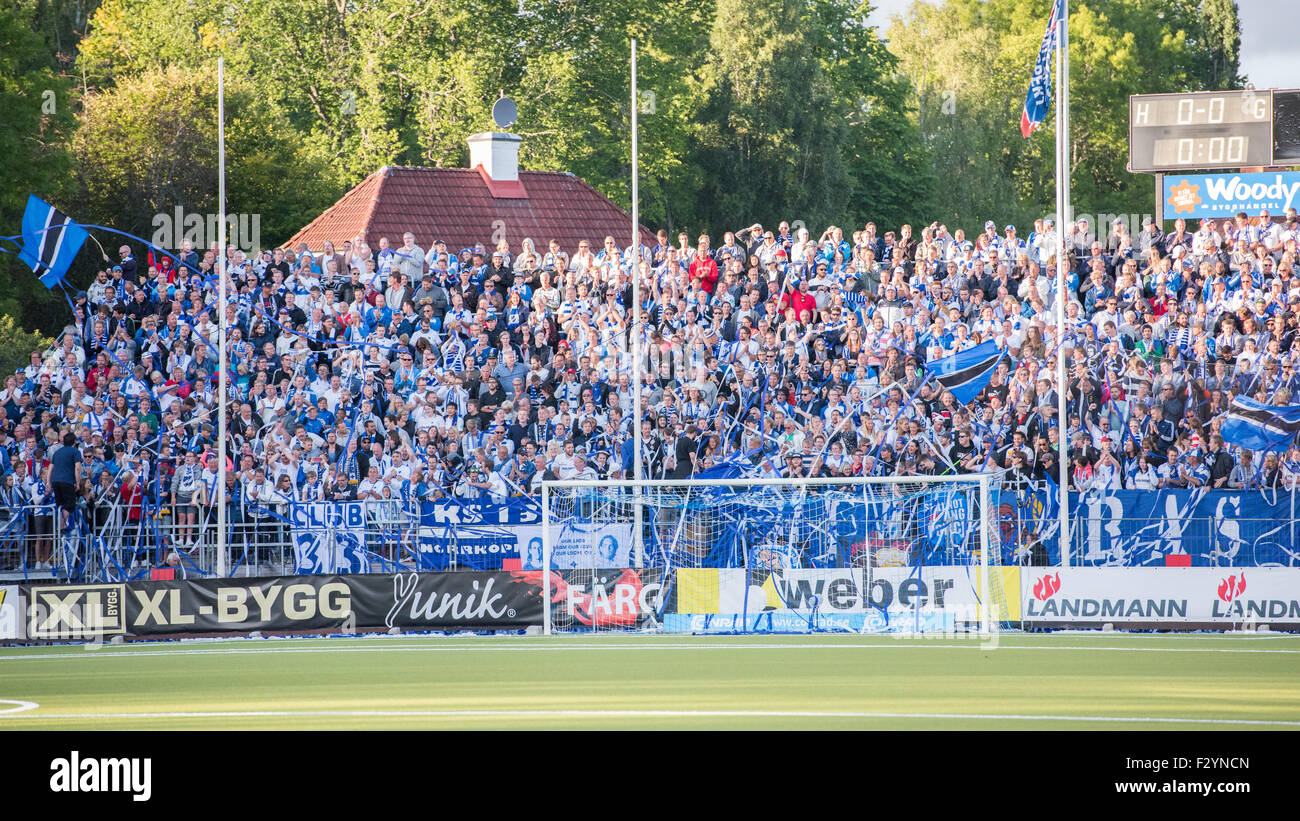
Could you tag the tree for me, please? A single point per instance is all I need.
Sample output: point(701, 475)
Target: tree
point(969, 62)
point(149, 146)
point(770, 128)
point(16, 344)
point(36, 119)
point(1221, 30)
point(889, 167)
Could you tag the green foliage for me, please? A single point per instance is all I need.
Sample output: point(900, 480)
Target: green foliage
point(769, 127)
point(36, 121)
point(888, 164)
point(1221, 35)
point(148, 145)
point(16, 345)
point(801, 118)
point(969, 62)
point(396, 82)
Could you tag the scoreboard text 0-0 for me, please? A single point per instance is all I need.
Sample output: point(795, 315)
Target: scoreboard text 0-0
point(1213, 129)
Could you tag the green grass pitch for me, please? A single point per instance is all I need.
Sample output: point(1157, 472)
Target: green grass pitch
point(621, 681)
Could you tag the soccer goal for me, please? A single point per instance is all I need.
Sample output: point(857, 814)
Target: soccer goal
point(874, 555)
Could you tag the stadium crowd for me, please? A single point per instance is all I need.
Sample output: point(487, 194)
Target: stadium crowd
point(411, 371)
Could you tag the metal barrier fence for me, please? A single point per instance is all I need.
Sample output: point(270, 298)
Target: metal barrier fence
point(1226, 541)
point(114, 543)
point(108, 543)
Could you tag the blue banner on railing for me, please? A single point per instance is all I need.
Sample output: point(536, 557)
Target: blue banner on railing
point(479, 548)
point(471, 533)
point(1203, 528)
point(480, 512)
point(329, 537)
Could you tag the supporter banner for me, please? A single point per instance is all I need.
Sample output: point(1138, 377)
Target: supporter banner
point(1223, 195)
point(11, 612)
point(480, 512)
point(1028, 523)
point(329, 537)
point(484, 547)
point(481, 548)
point(1224, 597)
point(429, 601)
point(580, 545)
point(1209, 528)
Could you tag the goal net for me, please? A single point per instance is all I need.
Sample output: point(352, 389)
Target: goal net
point(853, 555)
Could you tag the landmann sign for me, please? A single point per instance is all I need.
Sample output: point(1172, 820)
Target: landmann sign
point(1194, 595)
point(415, 601)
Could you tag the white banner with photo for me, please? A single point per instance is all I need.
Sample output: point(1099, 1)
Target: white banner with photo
point(579, 545)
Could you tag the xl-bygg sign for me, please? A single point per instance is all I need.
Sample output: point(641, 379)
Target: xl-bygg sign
point(76, 611)
point(171, 607)
point(464, 600)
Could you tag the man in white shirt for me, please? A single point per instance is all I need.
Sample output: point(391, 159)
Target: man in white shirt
point(488, 481)
point(371, 487)
point(581, 470)
point(564, 465)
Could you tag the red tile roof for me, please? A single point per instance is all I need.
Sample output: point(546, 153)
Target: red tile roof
point(457, 205)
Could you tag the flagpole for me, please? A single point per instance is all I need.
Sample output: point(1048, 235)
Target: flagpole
point(221, 318)
point(637, 545)
point(1062, 215)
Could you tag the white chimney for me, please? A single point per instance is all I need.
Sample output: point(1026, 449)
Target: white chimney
point(498, 153)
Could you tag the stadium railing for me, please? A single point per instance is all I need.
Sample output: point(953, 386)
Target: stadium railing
point(107, 544)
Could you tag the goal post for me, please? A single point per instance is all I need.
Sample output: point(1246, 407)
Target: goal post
point(866, 555)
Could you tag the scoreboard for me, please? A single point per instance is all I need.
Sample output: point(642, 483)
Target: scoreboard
point(1213, 129)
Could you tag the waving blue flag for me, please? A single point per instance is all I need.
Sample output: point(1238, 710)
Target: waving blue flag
point(966, 373)
point(1254, 426)
point(1039, 98)
point(51, 241)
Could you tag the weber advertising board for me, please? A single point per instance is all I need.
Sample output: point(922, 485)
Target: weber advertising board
point(877, 599)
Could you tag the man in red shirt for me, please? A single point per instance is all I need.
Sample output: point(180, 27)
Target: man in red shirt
point(800, 300)
point(705, 270)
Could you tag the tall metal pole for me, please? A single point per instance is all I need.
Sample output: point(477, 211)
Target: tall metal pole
point(986, 567)
point(221, 318)
point(1062, 216)
point(637, 541)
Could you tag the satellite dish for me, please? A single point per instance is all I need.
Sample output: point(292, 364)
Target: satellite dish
point(504, 112)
